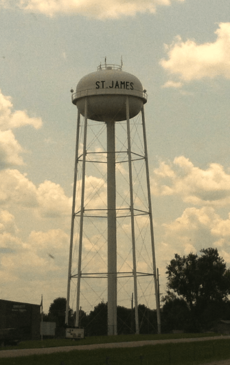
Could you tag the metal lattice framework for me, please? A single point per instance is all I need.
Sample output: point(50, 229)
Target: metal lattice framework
point(112, 240)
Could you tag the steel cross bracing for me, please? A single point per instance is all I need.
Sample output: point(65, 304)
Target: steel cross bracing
point(86, 247)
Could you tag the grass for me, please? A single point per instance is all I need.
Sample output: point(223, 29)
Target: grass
point(102, 339)
point(167, 354)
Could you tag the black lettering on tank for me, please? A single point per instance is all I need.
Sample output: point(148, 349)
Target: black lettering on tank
point(102, 83)
point(131, 85)
point(111, 86)
point(122, 85)
point(117, 85)
point(97, 85)
point(127, 85)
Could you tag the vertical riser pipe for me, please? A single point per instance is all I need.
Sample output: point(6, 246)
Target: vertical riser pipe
point(112, 240)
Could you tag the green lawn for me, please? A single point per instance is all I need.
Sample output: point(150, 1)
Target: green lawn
point(166, 354)
point(102, 339)
point(169, 354)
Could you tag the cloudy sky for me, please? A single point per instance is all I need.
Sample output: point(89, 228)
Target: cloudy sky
point(180, 50)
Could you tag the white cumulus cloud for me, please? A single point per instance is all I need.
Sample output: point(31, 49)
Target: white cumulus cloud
point(100, 9)
point(7, 222)
point(54, 242)
point(10, 119)
point(46, 200)
point(17, 189)
point(10, 150)
point(173, 84)
point(196, 186)
point(192, 61)
point(196, 229)
point(52, 200)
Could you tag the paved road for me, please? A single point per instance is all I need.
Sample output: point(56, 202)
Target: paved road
point(50, 350)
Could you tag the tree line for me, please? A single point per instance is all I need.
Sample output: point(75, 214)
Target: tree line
point(95, 322)
point(198, 288)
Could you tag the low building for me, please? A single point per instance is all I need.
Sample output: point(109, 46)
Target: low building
point(24, 318)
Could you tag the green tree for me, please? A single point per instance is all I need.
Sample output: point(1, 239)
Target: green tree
point(57, 312)
point(199, 279)
point(97, 321)
point(124, 320)
point(175, 315)
point(202, 281)
point(147, 319)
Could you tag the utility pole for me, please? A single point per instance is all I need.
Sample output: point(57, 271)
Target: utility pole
point(158, 284)
point(132, 314)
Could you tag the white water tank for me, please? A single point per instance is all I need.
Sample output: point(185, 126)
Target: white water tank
point(106, 91)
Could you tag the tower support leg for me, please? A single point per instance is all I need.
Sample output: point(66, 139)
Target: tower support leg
point(132, 216)
point(72, 219)
point(81, 218)
point(151, 225)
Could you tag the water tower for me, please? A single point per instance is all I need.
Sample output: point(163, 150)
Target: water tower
point(110, 97)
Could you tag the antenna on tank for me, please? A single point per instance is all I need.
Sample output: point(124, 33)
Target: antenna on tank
point(121, 62)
